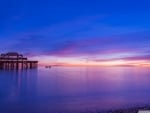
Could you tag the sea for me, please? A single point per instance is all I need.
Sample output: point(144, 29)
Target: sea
point(73, 89)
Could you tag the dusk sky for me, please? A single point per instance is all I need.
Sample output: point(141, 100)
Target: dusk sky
point(79, 32)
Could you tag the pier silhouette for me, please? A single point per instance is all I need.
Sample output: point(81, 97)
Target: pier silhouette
point(14, 60)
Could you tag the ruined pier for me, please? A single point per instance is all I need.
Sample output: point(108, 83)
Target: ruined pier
point(15, 61)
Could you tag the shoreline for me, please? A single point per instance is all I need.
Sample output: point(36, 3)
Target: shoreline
point(125, 110)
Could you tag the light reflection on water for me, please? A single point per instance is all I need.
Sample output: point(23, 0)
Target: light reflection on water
point(73, 89)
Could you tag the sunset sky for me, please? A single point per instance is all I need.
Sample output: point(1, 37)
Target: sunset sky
point(79, 32)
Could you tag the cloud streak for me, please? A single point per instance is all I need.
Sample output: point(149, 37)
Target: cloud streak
point(129, 43)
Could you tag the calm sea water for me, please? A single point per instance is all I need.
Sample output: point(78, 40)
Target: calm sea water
point(75, 89)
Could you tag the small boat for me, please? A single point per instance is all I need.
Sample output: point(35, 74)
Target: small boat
point(48, 66)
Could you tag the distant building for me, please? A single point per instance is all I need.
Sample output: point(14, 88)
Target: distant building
point(14, 60)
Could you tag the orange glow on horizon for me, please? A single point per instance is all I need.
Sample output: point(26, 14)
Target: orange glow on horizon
point(71, 61)
point(107, 63)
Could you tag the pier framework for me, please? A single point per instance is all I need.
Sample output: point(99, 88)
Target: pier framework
point(13, 60)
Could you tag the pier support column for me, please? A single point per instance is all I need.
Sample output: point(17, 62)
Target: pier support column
point(22, 65)
point(17, 65)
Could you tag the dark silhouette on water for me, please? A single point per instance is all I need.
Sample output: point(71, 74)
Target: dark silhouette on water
point(14, 60)
point(48, 67)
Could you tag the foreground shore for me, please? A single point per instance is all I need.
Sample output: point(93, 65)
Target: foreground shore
point(125, 110)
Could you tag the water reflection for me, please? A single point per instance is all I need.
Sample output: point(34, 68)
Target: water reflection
point(95, 88)
point(73, 89)
point(18, 84)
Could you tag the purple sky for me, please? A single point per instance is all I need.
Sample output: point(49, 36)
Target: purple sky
point(76, 31)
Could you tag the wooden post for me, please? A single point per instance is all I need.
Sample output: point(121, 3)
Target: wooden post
point(22, 65)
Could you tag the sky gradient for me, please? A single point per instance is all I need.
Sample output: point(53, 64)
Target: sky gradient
point(65, 32)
